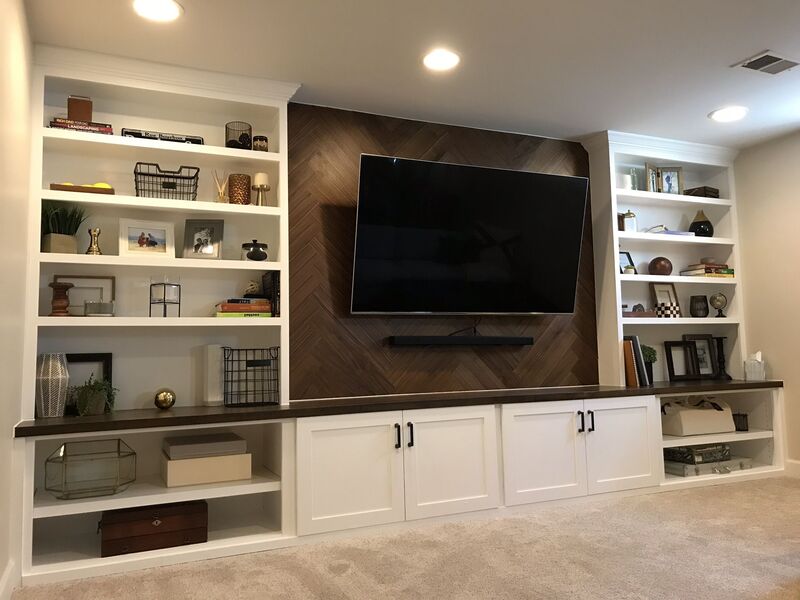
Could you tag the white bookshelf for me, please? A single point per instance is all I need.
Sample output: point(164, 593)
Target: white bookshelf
point(149, 353)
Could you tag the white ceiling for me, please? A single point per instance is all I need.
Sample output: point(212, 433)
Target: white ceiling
point(559, 68)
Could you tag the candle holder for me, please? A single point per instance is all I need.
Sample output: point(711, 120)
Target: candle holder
point(261, 194)
point(239, 134)
point(239, 188)
point(60, 301)
point(167, 296)
point(722, 374)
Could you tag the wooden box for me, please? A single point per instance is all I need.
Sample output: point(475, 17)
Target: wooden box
point(153, 527)
point(79, 108)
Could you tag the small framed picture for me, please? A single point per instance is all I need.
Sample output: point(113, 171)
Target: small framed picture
point(651, 177)
point(146, 237)
point(664, 293)
point(91, 288)
point(681, 361)
point(707, 367)
point(203, 239)
point(81, 367)
point(670, 180)
point(625, 260)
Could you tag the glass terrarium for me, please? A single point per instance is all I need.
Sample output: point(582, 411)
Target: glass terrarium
point(92, 468)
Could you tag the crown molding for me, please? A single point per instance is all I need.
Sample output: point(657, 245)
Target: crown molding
point(69, 63)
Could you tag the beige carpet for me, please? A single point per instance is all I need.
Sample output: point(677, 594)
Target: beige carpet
point(734, 541)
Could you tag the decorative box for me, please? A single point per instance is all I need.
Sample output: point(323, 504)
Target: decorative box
point(681, 418)
point(737, 463)
point(92, 468)
point(153, 527)
point(695, 455)
point(209, 469)
point(201, 446)
point(666, 310)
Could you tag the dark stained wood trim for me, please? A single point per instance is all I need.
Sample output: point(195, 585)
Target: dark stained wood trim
point(209, 415)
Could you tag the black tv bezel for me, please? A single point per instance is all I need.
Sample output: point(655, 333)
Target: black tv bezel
point(457, 313)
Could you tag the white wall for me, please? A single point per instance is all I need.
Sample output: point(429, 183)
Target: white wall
point(15, 64)
point(768, 197)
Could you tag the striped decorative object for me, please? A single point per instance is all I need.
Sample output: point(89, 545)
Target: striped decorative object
point(665, 310)
point(52, 379)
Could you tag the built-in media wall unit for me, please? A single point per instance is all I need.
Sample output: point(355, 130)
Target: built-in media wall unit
point(460, 304)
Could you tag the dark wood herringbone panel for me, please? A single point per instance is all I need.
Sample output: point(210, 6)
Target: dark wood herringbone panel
point(336, 354)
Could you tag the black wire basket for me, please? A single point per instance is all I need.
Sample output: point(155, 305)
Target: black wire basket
point(154, 182)
point(251, 376)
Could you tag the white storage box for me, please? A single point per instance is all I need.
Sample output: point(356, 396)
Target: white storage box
point(696, 417)
point(210, 469)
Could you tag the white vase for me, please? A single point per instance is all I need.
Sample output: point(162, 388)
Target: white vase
point(52, 379)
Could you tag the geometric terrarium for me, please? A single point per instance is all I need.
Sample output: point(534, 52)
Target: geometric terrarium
point(92, 468)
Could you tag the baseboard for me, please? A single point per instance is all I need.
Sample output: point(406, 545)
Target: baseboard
point(9, 580)
point(792, 468)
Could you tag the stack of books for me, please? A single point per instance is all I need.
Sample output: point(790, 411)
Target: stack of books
point(708, 270)
point(635, 370)
point(90, 126)
point(244, 307)
point(204, 459)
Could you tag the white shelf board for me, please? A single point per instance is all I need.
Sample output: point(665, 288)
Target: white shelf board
point(156, 261)
point(679, 279)
point(681, 321)
point(151, 490)
point(159, 322)
point(631, 236)
point(661, 199)
point(671, 441)
point(116, 146)
point(756, 471)
point(160, 204)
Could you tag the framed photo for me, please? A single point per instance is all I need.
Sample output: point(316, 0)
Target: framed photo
point(156, 238)
point(203, 239)
point(670, 180)
point(681, 360)
point(707, 366)
point(651, 177)
point(664, 293)
point(625, 260)
point(82, 366)
point(92, 288)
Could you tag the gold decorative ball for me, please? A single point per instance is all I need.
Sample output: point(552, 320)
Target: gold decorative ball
point(164, 399)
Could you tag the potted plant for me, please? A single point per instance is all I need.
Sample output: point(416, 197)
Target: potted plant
point(649, 356)
point(94, 397)
point(60, 223)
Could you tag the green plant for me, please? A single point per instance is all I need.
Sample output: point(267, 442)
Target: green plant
point(86, 395)
point(649, 354)
point(60, 218)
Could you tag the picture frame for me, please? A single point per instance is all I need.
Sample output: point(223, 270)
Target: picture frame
point(203, 239)
point(154, 238)
point(664, 293)
point(81, 365)
point(625, 260)
point(651, 177)
point(670, 180)
point(681, 360)
point(706, 347)
point(92, 288)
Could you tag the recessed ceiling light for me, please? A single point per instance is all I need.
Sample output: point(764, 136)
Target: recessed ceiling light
point(162, 11)
point(728, 114)
point(441, 59)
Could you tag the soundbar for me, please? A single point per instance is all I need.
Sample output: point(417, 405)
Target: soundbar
point(459, 340)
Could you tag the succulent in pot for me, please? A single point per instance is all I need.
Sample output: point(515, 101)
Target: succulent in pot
point(60, 224)
point(94, 397)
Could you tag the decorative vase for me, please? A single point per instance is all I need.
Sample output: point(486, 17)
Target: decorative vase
point(698, 306)
point(60, 301)
point(60, 243)
point(239, 188)
point(701, 226)
point(660, 265)
point(52, 381)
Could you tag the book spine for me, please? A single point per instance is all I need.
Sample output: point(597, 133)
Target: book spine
point(64, 121)
point(246, 301)
point(88, 128)
point(244, 314)
point(630, 368)
point(243, 308)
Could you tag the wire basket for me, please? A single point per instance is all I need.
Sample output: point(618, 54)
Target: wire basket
point(154, 182)
point(251, 376)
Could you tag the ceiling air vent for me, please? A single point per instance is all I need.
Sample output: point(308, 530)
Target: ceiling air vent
point(768, 62)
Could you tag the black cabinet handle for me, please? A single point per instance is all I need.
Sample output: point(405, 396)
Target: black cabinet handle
point(398, 443)
point(582, 428)
point(591, 415)
point(410, 434)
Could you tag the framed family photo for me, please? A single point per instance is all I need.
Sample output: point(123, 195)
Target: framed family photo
point(146, 237)
point(203, 239)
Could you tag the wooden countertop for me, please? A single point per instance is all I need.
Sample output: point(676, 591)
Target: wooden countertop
point(148, 418)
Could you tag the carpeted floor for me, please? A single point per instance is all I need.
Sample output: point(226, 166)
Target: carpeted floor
point(734, 541)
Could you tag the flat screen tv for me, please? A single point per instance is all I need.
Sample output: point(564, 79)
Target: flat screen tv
point(438, 238)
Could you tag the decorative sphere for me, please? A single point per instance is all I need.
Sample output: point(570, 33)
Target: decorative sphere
point(164, 399)
point(660, 265)
point(718, 301)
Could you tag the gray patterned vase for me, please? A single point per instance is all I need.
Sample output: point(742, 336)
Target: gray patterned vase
point(52, 379)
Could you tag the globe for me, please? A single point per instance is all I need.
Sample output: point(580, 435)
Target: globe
point(718, 301)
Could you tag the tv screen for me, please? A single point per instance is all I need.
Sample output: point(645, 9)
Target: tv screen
point(453, 239)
